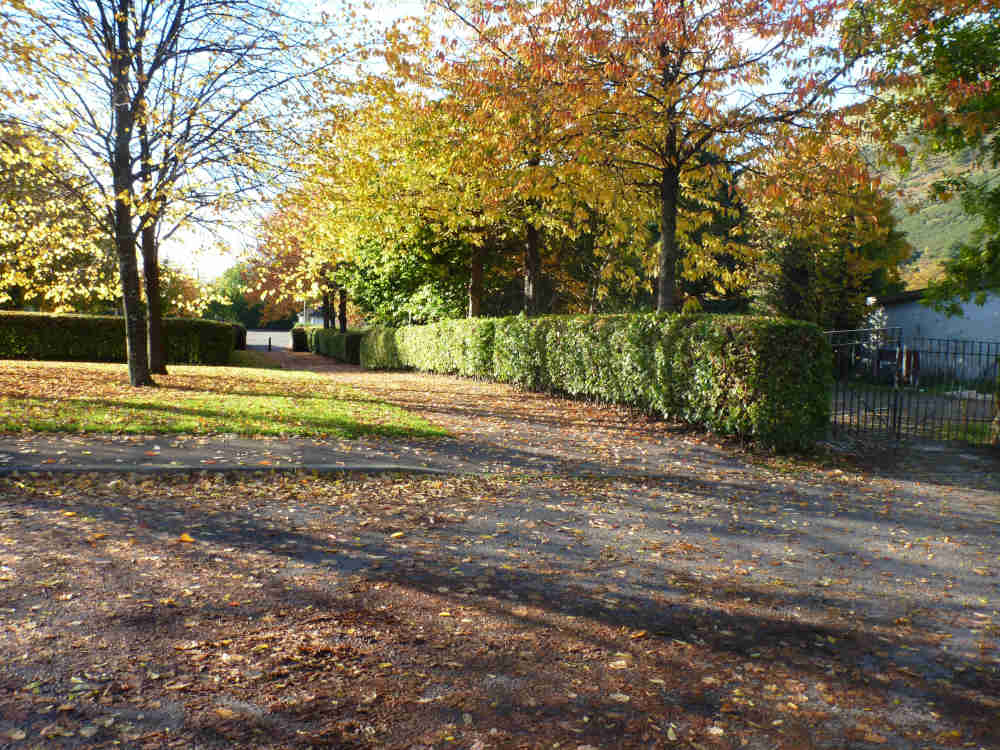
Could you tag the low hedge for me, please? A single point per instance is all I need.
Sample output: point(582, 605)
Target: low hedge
point(101, 338)
point(300, 341)
point(239, 336)
point(343, 347)
point(464, 347)
point(762, 378)
point(379, 350)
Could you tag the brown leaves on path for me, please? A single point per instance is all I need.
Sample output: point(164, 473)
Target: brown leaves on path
point(511, 611)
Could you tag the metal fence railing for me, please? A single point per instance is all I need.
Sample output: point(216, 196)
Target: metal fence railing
point(943, 389)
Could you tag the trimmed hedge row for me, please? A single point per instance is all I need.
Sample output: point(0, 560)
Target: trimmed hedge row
point(761, 378)
point(343, 347)
point(101, 338)
point(239, 336)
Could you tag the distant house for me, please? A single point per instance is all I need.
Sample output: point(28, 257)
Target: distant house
point(311, 316)
point(977, 323)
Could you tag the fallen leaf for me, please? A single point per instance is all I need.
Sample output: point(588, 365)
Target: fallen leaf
point(186, 538)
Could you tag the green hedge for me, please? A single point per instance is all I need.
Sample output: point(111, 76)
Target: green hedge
point(464, 347)
point(239, 336)
point(101, 338)
point(343, 347)
point(761, 378)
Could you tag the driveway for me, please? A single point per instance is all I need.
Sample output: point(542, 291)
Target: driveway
point(257, 339)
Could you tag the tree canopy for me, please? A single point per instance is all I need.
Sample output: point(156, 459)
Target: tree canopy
point(933, 79)
point(52, 255)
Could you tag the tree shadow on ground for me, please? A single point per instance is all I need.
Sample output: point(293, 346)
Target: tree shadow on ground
point(826, 638)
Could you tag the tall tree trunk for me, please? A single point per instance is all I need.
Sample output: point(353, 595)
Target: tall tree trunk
point(532, 269)
point(326, 309)
point(154, 311)
point(476, 283)
point(342, 309)
point(666, 298)
point(151, 260)
point(135, 319)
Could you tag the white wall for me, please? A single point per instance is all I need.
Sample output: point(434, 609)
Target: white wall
point(978, 323)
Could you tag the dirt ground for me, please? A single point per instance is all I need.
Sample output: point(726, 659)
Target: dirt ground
point(588, 580)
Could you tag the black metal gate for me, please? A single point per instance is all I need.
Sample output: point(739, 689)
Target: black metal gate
point(940, 389)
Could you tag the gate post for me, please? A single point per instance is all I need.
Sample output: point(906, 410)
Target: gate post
point(897, 421)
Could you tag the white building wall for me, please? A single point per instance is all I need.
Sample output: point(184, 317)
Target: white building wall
point(978, 323)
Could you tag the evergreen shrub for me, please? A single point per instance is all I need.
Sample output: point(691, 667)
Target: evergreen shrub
point(300, 341)
point(380, 351)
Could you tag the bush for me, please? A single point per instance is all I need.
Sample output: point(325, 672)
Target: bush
point(239, 337)
point(760, 378)
point(300, 341)
point(101, 338)
point(343, 347)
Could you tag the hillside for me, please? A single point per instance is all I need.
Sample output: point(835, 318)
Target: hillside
point(933, 227)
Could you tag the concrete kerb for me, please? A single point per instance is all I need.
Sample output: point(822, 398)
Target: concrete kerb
point(8, 471)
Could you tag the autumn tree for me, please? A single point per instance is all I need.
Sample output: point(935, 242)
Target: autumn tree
point(933, 79)
point(51, 251)
point(824, 232)
point(377, 181)
point(169, 106)
point(649, 87)
point(294, 262)
point(512, 143)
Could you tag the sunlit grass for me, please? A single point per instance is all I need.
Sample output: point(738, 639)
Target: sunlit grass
point(96, 398)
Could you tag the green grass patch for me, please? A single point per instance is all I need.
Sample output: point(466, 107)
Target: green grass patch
point(96, 398)
point(253, 359)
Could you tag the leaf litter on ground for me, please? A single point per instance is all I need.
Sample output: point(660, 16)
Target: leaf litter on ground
point(605, 611)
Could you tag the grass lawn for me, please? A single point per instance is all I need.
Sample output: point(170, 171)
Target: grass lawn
point(90, 397)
